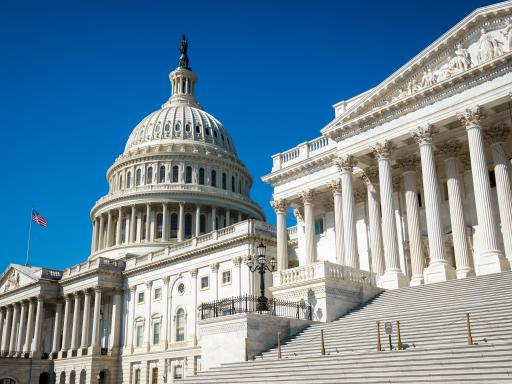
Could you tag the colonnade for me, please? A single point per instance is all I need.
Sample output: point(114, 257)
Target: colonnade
point(158, 222)
point(21, 326)
point(383, 236)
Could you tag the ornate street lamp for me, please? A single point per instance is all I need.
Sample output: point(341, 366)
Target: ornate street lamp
point(261, 267)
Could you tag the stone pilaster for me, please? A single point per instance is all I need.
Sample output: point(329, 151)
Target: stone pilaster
point(452, 150)
point(309, 225)
point(335, 187)
point(439, 268)
point(490, 258)
point(393, 276)
point(370, 177)
point(409, 170)
point(346, 165)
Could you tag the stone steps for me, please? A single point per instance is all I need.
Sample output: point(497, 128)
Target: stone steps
point(433, 328)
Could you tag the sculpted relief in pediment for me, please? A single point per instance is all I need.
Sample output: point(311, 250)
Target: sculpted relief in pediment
point(12, 282)
point(482, 43)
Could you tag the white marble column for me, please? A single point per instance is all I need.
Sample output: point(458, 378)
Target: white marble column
point(370, 177)
point(115, 327)
point(346, 165)
point(14, 329)
point(490, 258)
point(21, 330)
point(133, 225)
point(101, 243)
point(56, 328)
point(76, 320)
point(497, 135)
point(119, 226)
point(309, 225)
point(6, 336)
point(65, 323)
point(2, 323)
point(439, 268)
point(452, 151)
point(108, 241)
point(38, 327)
point(198, 220)
point(96, 331)
point(30, 327)
point(86, 320)
point(93, 237)
point(148, 223)
point(181, 222)
point(335, 187)
point(280, 207)
point(393, 276)
point(409, 167)
point(214, 221)
point(165, 225)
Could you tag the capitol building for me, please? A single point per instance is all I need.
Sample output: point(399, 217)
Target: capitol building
point(406, 189)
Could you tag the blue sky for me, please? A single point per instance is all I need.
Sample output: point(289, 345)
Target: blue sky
point(76, 77)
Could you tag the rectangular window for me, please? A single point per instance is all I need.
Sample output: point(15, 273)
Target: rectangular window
point(319, 226)
point(156, 333)
point(137, 376)
point(139, 334)
point(205, 282)
point(158, 294)
point(226, 277)
point(140, 298)
point(178, 372)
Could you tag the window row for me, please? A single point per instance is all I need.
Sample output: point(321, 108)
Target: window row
point(156, 327)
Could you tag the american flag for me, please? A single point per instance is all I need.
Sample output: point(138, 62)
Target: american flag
point(36, 216)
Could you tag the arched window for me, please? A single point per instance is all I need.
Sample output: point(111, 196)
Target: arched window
point(120, 182)
point(214, 178)
point(180, 325)
point(188, 175)
point(159, 229)
point(175, 173)
point(149, 178)
point(239, 186)
point(174, 226)
point(202, 224)
point(138, 176)
point(161, 174)
point(201, 176)
point(233, 184)
point(224, 181)
point(128, 179)
point(188, 226)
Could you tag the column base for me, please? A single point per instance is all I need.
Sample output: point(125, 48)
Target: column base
point(417, 280)
point(437, 272)
point(94, 350)
point(492, 261)
point(393, 280)
point(463, 273)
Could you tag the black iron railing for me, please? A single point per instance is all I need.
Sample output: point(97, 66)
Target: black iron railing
point(248, 303)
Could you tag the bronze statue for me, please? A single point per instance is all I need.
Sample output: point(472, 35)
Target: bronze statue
point(183, 62)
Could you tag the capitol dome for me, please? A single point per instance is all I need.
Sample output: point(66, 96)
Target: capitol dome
point(179, 177)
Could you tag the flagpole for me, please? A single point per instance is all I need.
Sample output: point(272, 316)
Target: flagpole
point(29, 233)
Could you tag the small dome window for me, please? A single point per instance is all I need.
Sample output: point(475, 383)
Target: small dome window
point(167, 127)
point(198, 129)
point(222, 136)
point(207, 130)
point(215, 134)
point(187, 127)
point(177, 127)
point(157, 128)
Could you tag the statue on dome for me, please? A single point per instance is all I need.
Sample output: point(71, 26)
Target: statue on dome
point(183, 49)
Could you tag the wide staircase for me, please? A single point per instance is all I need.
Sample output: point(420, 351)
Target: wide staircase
point(434, 336)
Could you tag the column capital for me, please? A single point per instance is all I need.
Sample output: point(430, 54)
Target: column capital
point(149, 284)
point(237, 260)
point(471, 117)
point(497, 133)
point(181, 203)
point(87, 292)
point(133, 288)
point(382, 150)
point(409, 163)
point(98, 289)
point(307, 196)
point(424, 134)
point(335, 187)
point(166, 280)
point(370, 175)
point(279, 206)
point(194, 272)
point(451, 148)
point(346, 163)
point(77, 294)
point(214, 267)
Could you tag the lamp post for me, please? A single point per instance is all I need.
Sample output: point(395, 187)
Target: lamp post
point(261, 267)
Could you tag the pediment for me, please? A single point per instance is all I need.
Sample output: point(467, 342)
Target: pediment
point(16, 276)
point(480, 41)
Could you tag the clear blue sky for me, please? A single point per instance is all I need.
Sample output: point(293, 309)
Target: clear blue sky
point(76, 77)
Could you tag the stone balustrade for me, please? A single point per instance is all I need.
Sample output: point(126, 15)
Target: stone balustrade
point(302, 152)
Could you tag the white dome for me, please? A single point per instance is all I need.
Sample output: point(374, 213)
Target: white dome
point(180, 122)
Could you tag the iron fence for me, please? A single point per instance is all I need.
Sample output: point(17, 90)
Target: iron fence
point(248, 303)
